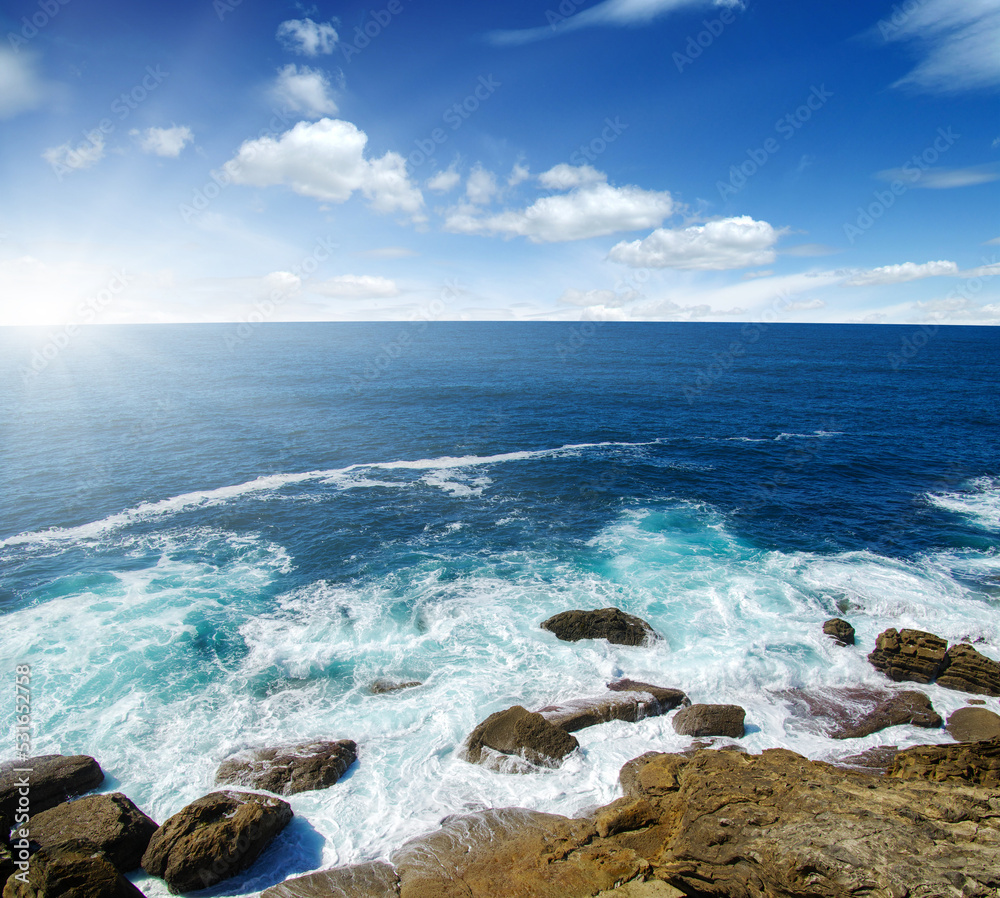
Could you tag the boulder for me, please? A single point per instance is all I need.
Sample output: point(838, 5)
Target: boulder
point(73, 869)
point(112, 823)
point(52, 780)
point(909, 655)
point(290, 769)
point(377, 880)
point(611, 624)
point(974, 725)
point(908, 707)
point(381, 687)
point(214, 838)
point(710, 720)
point(840, 630)
point(520, 733)
point(631, 704)
point(969, 671)
point(968, 762)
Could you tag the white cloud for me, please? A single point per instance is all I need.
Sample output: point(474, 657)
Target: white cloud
point(20, 87)
point(717, 245)
point(304, 90)
point(990, 270)
point(959, 41)
point(355, 286)
point(163, 141)
point(606, 299)
point(481, 186)
point(994, 242)
point(566, 177)
point(518, 174)
point(444, 181)
point(326, 160)
point(610, 12)
point(592, 210)
point(66, 158)
point(900, 274)
point(941, 178)
point(306, 37)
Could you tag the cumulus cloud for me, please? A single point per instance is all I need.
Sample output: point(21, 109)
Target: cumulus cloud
point(518, 174)
point(728, 243)
point(163, 141)
point(566, 177)
point(326, 160)
point(900, 274)
point(307, 38)
point(444, 181)
point(958, 42)
point(66, 158)
point(304, 90)
point(481, 186)
point(21, 88)
point(355, 286)
point(610, 12)
point(591, 210)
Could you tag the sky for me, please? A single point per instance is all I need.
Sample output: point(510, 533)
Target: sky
point(601, 160)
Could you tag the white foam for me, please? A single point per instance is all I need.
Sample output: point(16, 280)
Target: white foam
point(981, 502)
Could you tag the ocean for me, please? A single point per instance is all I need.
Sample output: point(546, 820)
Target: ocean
point(215, 537)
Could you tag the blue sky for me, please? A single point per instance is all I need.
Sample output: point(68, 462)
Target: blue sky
point(232, 160)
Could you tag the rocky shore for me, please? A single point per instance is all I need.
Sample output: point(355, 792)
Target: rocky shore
point(712, 820)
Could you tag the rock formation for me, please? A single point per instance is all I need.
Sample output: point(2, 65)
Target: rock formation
point(611, 624)
point(964, 762)
point(522, 734)
point(974, 724)
point(969, 671)
point(909, 655)
point(71, 870)
point(710, 720)
point(840, 630)
point(290, 769)
point(53, 779)
point(628, 700)
point(381, 687)
point(908, 707)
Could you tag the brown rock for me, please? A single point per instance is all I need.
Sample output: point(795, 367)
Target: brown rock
point(710, 720)
point(909, 655)
point(290, 769)
point(71, 870)
point(521, 733)
point(611, 624)
point(968, 762)
point(840, 630)
point(974, 725)
point(875, 760)
point(376, 880)
point(630, 704)
point(624, 815)
point(52, 780)
point(214, 838)
point(667, 697)
point(969, 671)
point(908, 707)
point(381, 687)
point(112, 823)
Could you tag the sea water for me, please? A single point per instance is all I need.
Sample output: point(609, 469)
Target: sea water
point(215, 538)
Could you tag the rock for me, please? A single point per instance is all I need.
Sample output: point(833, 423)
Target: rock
point(909, 655)
point(624, 815)
point(52, 780)
point(520, 733)
point(969, 762)
point(974, 725)
point(511, 852)
point(73, 869)
point(908, 707)
point(381, 687)
point(112, 823)
point(969, 671)
point(630, 704)
point(290, 769)
point(875, 760)
point(840, 630)
point(710, 720)
point(214, 838)
point(606, 623)
point(7, 866)
point(652, 889)
point(376, 880)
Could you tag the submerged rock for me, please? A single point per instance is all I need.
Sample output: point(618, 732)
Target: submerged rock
point(381, 687)
point(910, 707)
point(631, 703)
point(667, 697)
point(290, 769)
point(909, 655)
point(73, 869)
point(112, 823)
point(840, 630)
point(974, 724)
point(520, 733)
point(53, 779)
point(710, 720)
point(967, 670)
point(611, 624)
point(214, 838)
point(377, 880)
